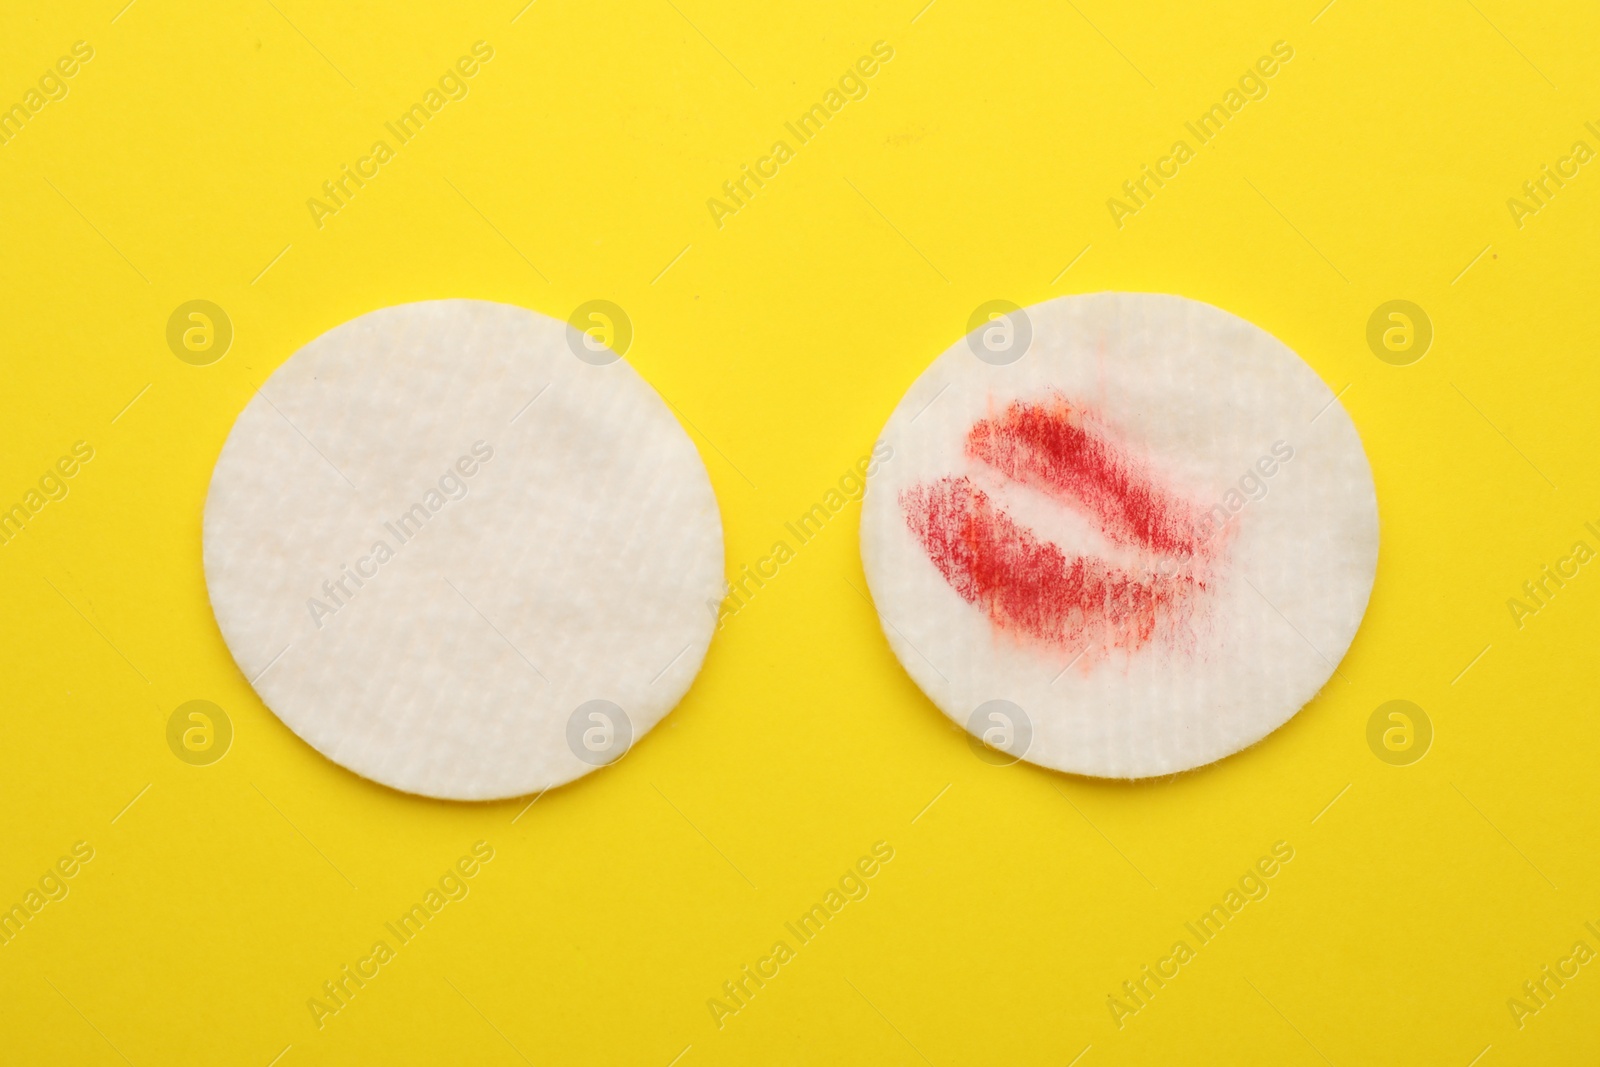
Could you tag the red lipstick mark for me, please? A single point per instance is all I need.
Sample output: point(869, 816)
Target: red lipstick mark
point(1053, 448)
point(1029, 586)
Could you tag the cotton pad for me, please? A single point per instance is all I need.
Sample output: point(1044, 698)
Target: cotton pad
point(1120, 535)
point(457, 558)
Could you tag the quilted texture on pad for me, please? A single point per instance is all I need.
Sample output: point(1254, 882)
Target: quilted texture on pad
point(1138, 547)
point(435, 533)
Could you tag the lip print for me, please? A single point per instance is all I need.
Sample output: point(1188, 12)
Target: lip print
point(1062, 534)
point(1030, 587)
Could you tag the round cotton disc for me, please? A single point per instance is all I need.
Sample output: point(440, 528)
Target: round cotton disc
point(463, 550)
point(1120, 535)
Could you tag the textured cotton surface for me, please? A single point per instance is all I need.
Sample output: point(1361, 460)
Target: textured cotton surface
point(435, 533)
point(1135, 548)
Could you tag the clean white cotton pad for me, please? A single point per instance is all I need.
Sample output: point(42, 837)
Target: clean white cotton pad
point(1120, 535)
point(459, 559)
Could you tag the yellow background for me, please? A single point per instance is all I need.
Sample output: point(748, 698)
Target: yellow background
point(1378, 168)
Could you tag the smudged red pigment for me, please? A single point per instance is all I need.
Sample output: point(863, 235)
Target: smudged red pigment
point(1054, 448)
point(1030, 587)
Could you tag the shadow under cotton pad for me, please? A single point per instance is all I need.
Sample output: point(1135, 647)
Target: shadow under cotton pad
point(1121, 535)
point(458, 559)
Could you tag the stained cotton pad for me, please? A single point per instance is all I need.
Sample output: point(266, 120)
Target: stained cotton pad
point(459, 559)
point(1121, 535)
